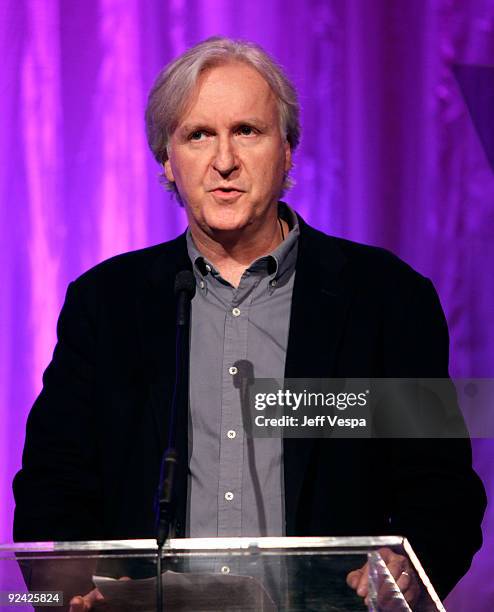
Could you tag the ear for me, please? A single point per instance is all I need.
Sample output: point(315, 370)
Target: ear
point(288, 156)
point(168, 171)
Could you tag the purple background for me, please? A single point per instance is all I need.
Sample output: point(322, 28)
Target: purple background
point(389, 156)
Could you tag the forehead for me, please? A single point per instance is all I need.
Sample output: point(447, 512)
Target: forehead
point(230, 92)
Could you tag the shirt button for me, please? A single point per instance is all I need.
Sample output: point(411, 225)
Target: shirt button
point(231, 434)
point(225, 569)
point(228, 496)
point(273, 283)
point(201, 284)
point(233, 370)
point(236, 312)
point(208, 267)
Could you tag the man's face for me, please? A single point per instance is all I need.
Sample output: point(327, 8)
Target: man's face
point(227, 155)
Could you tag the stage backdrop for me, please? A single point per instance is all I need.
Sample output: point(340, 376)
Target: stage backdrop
point(389, 156)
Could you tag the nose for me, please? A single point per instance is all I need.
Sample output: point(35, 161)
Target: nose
point(225, 158)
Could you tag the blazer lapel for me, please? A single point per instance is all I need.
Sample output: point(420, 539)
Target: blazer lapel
point(319, 307)
point(156, 313)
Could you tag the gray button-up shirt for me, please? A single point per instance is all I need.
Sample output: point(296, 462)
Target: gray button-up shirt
point(235, 482)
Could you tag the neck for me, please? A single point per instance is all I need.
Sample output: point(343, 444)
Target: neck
point(231, 253)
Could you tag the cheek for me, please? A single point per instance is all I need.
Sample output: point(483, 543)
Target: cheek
point(267, 172)
point(186, 171)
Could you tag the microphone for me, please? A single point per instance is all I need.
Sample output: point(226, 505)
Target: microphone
point(185, 289)
point(185, 286)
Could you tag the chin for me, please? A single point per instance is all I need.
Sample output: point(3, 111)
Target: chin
point(225, 228)
point(227, 220)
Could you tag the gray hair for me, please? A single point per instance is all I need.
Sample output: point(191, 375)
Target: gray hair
point(172, 89)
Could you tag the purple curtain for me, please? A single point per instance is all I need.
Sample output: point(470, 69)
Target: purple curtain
point(389, 156)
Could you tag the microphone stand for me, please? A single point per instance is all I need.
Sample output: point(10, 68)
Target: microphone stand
point(184, 288)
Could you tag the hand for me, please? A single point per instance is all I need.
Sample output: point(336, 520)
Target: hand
point(401, 570)
point(83, 603)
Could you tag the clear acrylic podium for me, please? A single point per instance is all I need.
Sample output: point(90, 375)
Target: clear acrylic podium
point(213, 574)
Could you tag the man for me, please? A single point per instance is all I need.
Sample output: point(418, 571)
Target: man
point(222, 119)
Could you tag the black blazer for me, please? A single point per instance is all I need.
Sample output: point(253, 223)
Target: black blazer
point(96, 433)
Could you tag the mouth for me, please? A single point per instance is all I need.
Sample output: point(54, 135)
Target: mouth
point(226, 193)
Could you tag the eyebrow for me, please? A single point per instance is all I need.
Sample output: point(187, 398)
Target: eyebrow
point(189, 128)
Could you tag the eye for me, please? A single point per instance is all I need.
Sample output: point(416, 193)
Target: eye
point(246, 130)
point(197, 136)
